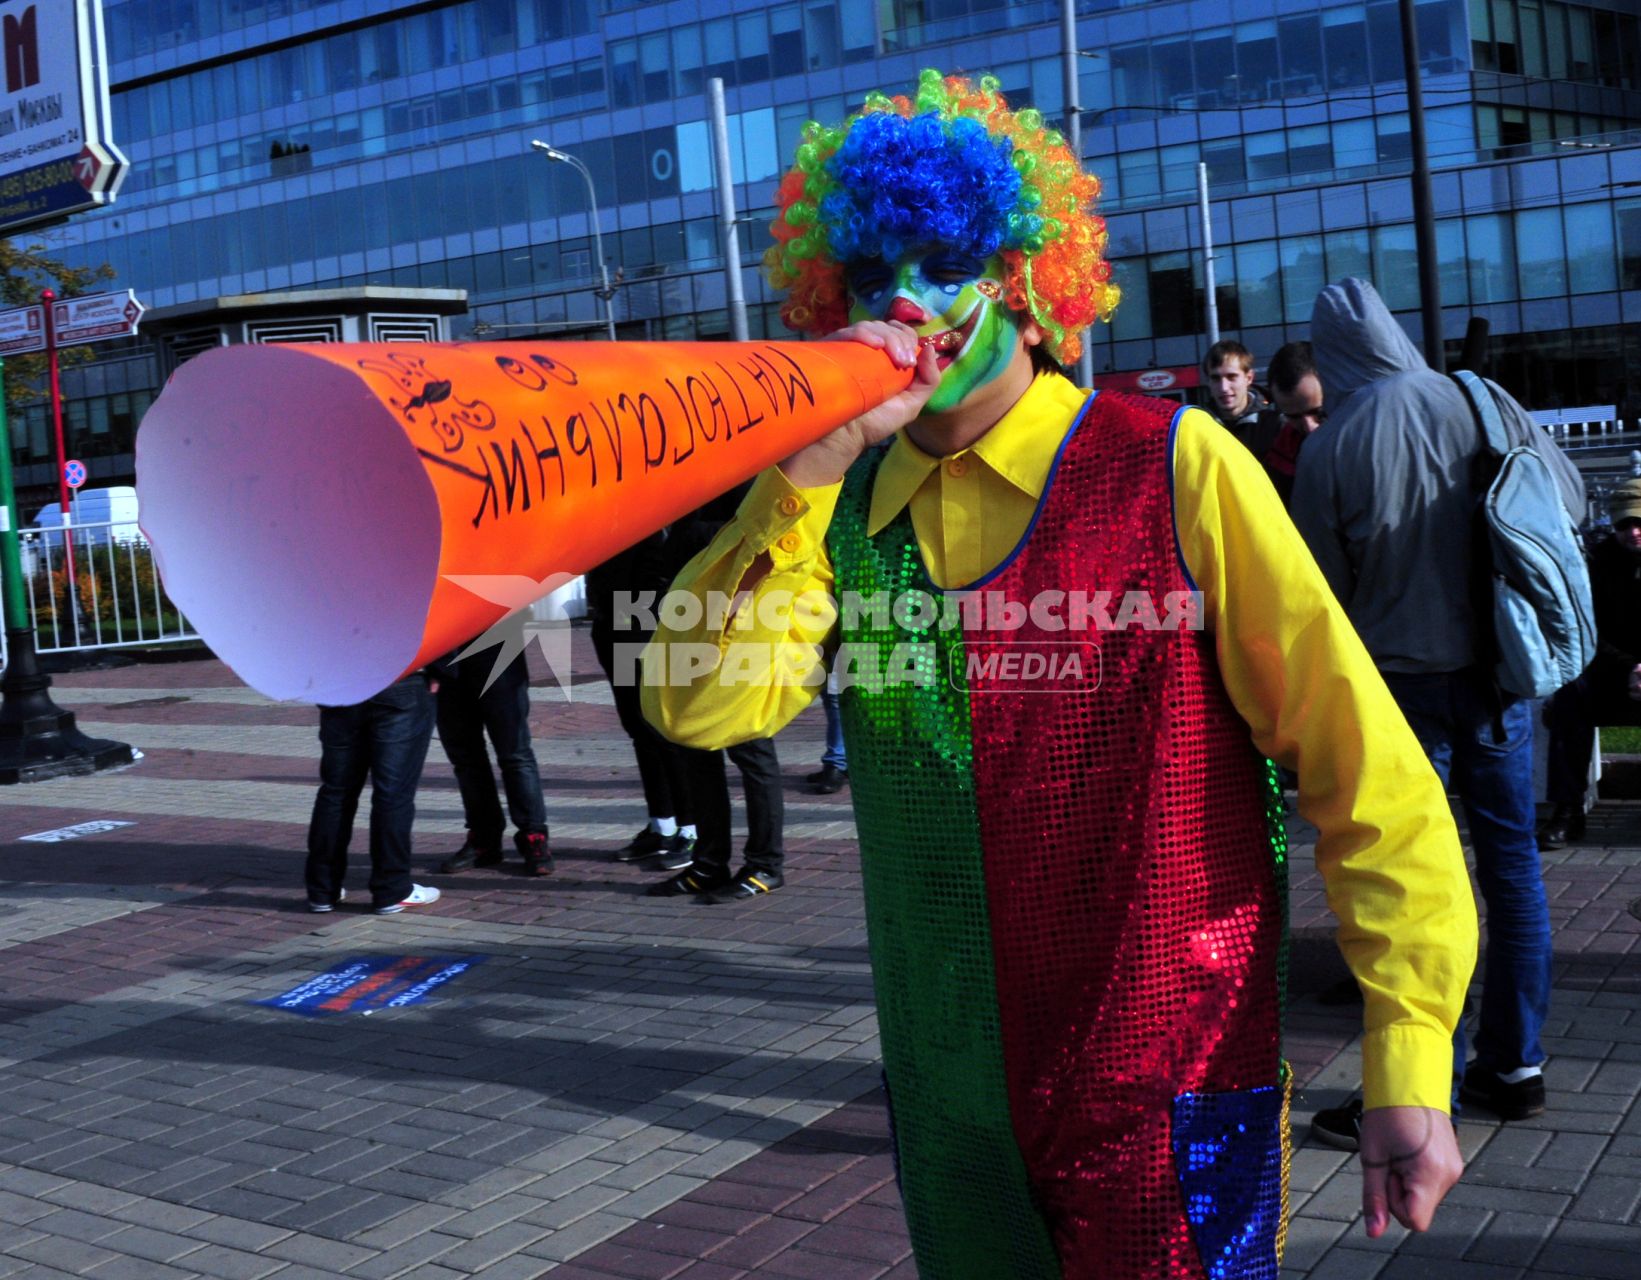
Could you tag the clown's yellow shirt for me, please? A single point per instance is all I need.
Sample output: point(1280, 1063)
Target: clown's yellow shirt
point(1297, 673)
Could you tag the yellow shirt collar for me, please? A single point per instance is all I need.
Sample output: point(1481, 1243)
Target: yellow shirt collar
point(1020, 449)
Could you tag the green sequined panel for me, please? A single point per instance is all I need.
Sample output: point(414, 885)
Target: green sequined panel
point(968, 1205)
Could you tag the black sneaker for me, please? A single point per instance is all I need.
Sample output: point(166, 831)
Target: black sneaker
point(471, 854)
point(1564, 826)
point(828, 780)
point(646, 844)
point(678, 854)
point(538, 858)
point(1507, 1101)
point(696, 879)
point(748, 883)
point(1339, 1127)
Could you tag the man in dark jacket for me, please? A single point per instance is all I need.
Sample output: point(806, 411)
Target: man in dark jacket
point(1238, 405)
point(1609, 693)
point(1384, 498)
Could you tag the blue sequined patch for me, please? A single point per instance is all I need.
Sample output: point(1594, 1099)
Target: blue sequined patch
point(1228, 1155)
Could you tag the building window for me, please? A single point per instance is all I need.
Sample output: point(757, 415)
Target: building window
point(1344, 41)
point(1629, 243)
point(1396, 266)
point(1303, 276)
point(1592, 257)
point(1540, 256)
point(1258, 284)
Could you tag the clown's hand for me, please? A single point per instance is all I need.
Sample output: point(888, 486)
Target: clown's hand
point(1410, 1160)
point(825, 461)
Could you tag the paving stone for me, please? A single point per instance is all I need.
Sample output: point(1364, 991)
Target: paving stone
point(222, 1263)
point(145, 1242)
point(74, 1225)
point(236, 1233)
point(1608, 1199)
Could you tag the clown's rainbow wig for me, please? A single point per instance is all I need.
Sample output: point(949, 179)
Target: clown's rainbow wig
point(953, 165)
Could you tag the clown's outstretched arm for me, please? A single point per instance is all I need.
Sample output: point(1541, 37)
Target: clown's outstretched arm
point(744, 673)
point(1388, 850)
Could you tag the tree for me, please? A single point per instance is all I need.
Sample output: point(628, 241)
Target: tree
point(25, 269)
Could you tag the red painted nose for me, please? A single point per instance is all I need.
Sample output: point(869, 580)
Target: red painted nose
point(906, 311)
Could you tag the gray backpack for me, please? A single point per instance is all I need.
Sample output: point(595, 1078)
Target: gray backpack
point(1532, 586)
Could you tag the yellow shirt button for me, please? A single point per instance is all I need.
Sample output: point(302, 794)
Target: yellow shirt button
point(791, 505)
point(957, 467)
point(789, 542)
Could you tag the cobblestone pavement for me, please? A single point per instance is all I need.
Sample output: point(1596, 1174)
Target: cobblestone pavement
point(626, 1087)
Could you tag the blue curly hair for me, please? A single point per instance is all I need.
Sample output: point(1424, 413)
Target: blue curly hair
point(907, 181)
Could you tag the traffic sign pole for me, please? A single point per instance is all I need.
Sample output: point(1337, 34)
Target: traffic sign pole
point(38, 739)
point(47, 297)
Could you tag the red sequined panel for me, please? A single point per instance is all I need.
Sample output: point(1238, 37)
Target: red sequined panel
point(1135, 920)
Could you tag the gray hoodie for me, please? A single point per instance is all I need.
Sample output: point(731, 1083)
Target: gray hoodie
point(1383, 492)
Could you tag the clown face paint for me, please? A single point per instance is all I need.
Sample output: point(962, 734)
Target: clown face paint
point(954, 301)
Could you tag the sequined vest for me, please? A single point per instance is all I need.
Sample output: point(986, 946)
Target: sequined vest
point(1074, 883)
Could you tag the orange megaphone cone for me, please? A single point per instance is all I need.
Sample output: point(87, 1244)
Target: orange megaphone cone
point(315, 509)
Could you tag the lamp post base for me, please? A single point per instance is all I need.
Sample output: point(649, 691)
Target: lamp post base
point(38, 739)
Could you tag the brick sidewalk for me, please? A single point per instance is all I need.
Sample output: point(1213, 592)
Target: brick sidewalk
point(626, 1087)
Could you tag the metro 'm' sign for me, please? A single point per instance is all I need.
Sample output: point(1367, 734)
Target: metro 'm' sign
point(22, 43)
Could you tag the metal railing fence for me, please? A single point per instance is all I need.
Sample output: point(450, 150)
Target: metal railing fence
point(116, 600)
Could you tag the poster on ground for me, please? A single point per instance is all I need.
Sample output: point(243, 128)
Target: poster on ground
point(370, 983)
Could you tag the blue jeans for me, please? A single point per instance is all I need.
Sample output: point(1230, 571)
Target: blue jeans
point(834, 753)
point(385, 740)
point(1450, 716)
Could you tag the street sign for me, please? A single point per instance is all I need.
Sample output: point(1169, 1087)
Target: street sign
point(56, 153)
point(22, 329)
point(74, 473)
point(95, 316)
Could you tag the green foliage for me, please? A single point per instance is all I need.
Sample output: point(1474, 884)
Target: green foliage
point(116, 591)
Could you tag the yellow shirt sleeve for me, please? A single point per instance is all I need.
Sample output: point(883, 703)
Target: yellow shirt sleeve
point(1298, 674)
point(729, 667)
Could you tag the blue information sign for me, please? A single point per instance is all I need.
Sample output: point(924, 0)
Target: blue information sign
point(371, 983)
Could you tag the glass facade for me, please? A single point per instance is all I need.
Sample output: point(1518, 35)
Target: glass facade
point(284, 144)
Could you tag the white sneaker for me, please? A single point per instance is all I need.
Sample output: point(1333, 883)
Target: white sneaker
point(420, 895)
point(319, 906)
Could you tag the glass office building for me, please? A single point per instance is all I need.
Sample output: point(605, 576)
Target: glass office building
point(279, 144)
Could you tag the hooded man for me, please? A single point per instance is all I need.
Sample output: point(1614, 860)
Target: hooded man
point(1384, 497)
point(1072, 627)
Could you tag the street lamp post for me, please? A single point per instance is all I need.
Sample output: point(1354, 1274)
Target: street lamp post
point(605, 292)
point(1424, 215)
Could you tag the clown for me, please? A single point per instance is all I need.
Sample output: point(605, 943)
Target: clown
point(1070, 839)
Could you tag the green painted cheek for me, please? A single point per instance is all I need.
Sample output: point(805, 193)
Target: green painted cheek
point(988, 355)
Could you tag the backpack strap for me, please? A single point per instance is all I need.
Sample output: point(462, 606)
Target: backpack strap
point(1494, 445)
point(1486, 409)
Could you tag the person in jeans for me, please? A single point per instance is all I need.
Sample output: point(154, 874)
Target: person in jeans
point(384, 739)
point(467, 711)
point(1609, 693)
point(1383, 497)
point(833, 775)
